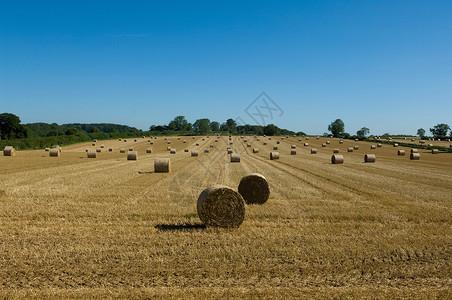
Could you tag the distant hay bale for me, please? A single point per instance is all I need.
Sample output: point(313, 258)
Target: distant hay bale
point(135, 141)
point(300, 140)
point(9, 151)
point(173, 151)
point(194, 153)
point(119, 139)
point(414, 151)
point(95, 141)
point(293, 152)
point(275, 147)
point(169, 142)
point(317, 138)
point(336, 151)
point(323, 145)
point(130, 149)
point(216, 141)
point(306, 144)
point(98, 150)
point(231, 143)
point(206, 150)
point(184, 141)
point(341, 142)
point(356, 148)
point(197, 144)
point(278, 142)
point(102, 146)
point(265, 143)
point(149, 150)
point(91, 154)
point(168, 148)
point(110, 149)
point(274, 155)
point(396, 145)
point(400, 152)
point(413, 140)
point(255, 150)
point(86, 150)
point(435, 151)
point(151, 143)
point(307, 138)
point(221, 206)
point(415, 156)
point(370, 158)
point(229, 151)
point(248, 145)
point(421, 142)
point(235, 157)
point(254, 189)
point(185, 150)
point(313, 151)
point(132, 155)
point(211, 145)
point(162, 165)
point(125, 141)
point(258, 139)
point(373, 147)
point(337, 159)
point(328, 142)
point(349, 149)
point(430, 145)
point(149, 140)
point(245, 140)
point(165, 139)
point(93, 144)
point(269, 138)
point(122, 150)
point(379, 145)
point(293, 147)
point(55, 152)
point(356, 140)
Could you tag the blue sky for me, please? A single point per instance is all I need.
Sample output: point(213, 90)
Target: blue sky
point(386, 65)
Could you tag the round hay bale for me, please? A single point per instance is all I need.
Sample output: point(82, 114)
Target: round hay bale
point(93, 144)
point(162, 165)
point(401, 152)
point(86, 150)
point(356, 147)
point(379, 145)
point(125, 141)
point(313, 151)
point(328, 142)
point(293, 152)
point(98, 150)
point(370, 158)
point(149, 150)
point(197, 144)
point(221, 206)
point(277, 142)
point(231, 143)
point(185, 150)
point(169, 142)
point(307, 138)
point(229, 151)
point(421, 142)
point(265, 143)
point(413, 140)
point(255, 150)
point(110, 149)
point(324, 145)
point(102, 146)
point(211, 145)
point(245, 140)
point(435, 151)
point(306, 144)
point(91, 154)
point(430, 145)
point(396, 145)
point(120, 139)
point(275, 147)
point(132, 155)
point(293, 147)
point(258, 139)
point(194, 153)
point(135, 141)
point(48, 149)
point(336, 151)
point(55, 152)
point(337, 159)
point(149, 140)
point(349, 149)
point(414, 151)
point(95, 141)
point(341, 142)
point(173, 151)
point(122, 150)
point(206, 150)
point(254, 189)
point(130, 149)
point(317, 138)
point(9, 151)
point(235, 157)
point(373, 147)
point(168, 148)
point(274, 155)
point(269, 138)
point(415, 156)
point(184, 141)
point(248, 145)
point(356, 140)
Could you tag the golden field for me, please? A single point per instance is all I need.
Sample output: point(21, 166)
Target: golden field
point(73, 227)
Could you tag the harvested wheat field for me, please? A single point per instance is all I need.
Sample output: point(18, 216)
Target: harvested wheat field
point(73, 227)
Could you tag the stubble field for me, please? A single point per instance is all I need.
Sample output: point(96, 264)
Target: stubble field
point(73, 227)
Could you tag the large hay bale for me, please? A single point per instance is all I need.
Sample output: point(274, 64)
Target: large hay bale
point(221, 206)
point(349, 149)
point(91, 154)
point(337, 159)
point(122, 150)
point(274, 155)
point(255, 150)
point(55, 152)
point(370, 158)
point(98, 150)
point(435, 151)
point(235, 157)
point(173, 151)
point(293, 152)
point(162, 165)
point(254, 189)
point(336, 151)
point(149, 150)
point(414, 151)
point(194, 153)
point(9, 151)
point(415, 156)
point(401, 152)
point(132, 155)
point(313, 151)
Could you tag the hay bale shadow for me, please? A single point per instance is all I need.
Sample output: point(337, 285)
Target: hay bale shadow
point(180, 227)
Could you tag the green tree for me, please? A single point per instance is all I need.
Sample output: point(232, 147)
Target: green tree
point(421, 132)
point(11, 128)
point(363, 132)
point(179, 123)
point(214, 126)
point(71, 131)
point(202, 126)
point(271, 129)
point(336, 127)
point(440, 130)
point(230, 126)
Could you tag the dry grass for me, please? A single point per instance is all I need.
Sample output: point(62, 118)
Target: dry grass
point(106, 228)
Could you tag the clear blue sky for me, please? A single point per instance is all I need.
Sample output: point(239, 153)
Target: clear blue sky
point(386, 65)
